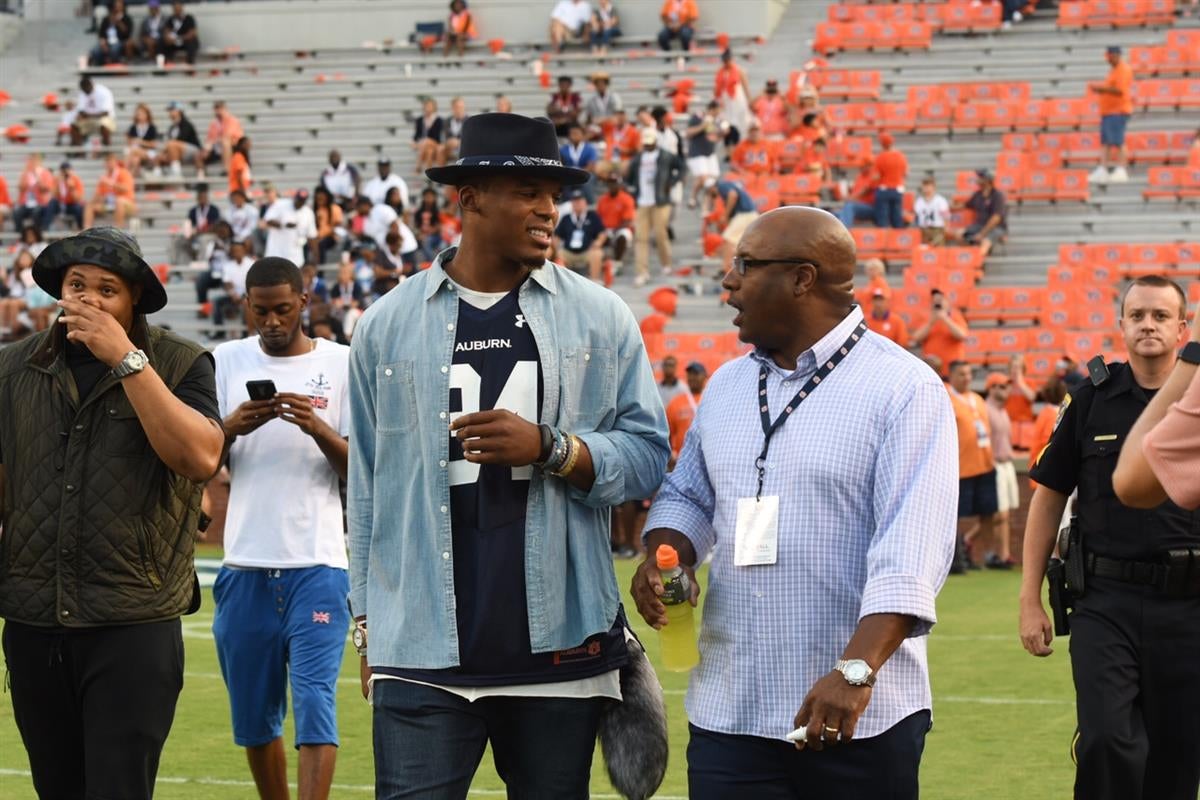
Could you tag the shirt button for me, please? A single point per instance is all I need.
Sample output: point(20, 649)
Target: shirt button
point(445, 368)
point(443, 509)
point(445, 556)
point(587, 356)
point(387, 372)
point(70, 487)
point(66, 613)
point(441, 415)
point(112, 412)
point(78, 427)
point(450, 326)
point(442, 463)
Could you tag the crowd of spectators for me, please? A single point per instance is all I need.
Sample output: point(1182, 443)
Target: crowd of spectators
point(157, 37)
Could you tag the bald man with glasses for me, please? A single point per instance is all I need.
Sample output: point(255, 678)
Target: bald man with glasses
point(820, 473)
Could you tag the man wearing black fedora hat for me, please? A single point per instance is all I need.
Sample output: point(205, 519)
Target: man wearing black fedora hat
point(110, 429)
point(500, 406)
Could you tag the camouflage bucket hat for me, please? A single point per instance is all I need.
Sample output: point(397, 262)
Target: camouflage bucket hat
point(109, 248)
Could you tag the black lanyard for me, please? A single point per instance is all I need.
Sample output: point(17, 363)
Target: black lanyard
point(769, 428)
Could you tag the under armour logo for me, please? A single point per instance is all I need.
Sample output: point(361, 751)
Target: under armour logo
point(520, 323)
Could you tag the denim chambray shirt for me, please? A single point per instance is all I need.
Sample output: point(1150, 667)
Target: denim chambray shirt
point(597, 384)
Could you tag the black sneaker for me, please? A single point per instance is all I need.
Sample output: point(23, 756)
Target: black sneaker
point(994, 561)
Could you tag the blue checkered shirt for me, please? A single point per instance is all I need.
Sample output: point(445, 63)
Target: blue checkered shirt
point(866, 471)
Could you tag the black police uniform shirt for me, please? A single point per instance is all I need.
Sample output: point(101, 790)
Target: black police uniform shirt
point(1083, 451)
point(496, 365)
point(577, 234)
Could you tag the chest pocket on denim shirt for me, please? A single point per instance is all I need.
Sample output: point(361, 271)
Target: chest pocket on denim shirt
point(588, 378)
point(395, 398)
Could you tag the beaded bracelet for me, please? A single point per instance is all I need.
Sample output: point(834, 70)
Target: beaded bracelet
point(559, 452)
point(576, 446)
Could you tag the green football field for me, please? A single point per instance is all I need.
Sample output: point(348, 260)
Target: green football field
point(1002, 719)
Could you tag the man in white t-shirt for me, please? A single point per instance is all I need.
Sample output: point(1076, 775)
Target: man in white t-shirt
point(291, 227)
point(932, 213)
point(570, 19)
point(281, 594)
point(95, 112)
point(378, 187)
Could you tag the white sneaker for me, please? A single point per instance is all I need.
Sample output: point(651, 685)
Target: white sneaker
point(1017, 16)
point(668, 271)
point(176, 169)
point(156, 172)
point(1099, 175)
point(639, 281)
point(1118, 175)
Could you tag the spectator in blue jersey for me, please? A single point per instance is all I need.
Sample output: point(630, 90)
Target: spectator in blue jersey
point(740, 211)
point(580, 237)
point(482, 586)
point(578, 152)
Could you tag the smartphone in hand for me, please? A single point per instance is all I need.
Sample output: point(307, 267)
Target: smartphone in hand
point(260, 390)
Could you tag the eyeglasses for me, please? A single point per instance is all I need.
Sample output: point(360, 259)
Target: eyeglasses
point(742, 264)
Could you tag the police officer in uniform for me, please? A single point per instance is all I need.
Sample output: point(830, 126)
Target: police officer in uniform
point(1135, 624)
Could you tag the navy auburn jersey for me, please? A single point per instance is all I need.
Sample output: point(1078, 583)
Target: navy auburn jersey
point(496, 366)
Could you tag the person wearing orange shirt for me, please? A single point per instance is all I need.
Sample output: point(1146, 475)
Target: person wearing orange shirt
point(223, 133)
point(943, 334)
point(679, 21)
point(1019, 405)
point(681, 410)
point(732, 90)
point(1053, 394)
point(68, 195)
point(239, 167)
point(883, 321)
point(892, 167)
point(114, 194)
point(754, 154)
point(1116, 104)
point(772, 111)
point(977, 495)
point(860, 203)
point(623, 138)
point(5, 201)
point(876, 273)
point(35, 190)
point(617, 211)
point(459, 28)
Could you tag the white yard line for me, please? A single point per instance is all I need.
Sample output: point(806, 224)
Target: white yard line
point(342, 787)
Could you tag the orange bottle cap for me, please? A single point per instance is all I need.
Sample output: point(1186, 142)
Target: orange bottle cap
point(666, 557)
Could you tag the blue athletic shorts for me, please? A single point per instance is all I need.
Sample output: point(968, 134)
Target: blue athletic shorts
point(1112, 129)
point(272, 624)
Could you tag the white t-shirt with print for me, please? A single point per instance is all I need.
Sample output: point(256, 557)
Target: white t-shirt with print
point(285, 242)
point(284, 508)
point(932, 213)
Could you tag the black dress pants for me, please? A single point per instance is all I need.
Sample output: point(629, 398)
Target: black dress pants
point(94, 706)
point(1135, 657)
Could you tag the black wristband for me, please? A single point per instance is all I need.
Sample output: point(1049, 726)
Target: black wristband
point(547, 443)
point(1190, 354)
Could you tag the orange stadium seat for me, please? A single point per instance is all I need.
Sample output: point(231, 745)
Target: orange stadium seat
point(803, 189)
point(1019, 141)
point(1072, 14)
point(1071, 184)
point(1022, 303)
point(1012, 161)
point(871, 242)
point(765, 201)
point(1030, 115)
point(1083, 146)
point(1152, 259)
point(984, 303)
point(1083, 345)
point(1048, 339)
point(1187, 257)
point(1172, 183)
point(789, 154)
point(1194, 294)
point(1159, 12)
point(847, 84)
point(1114, 254)
point(1064, 112)
point(969, 17)
point(1072, 255)
point(849, 151)
point(1178, 60)
point(935, 115)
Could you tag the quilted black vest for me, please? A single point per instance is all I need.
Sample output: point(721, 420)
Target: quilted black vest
point(97, 530)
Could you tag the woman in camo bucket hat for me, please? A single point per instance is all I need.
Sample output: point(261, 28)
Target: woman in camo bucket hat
point(109, 248)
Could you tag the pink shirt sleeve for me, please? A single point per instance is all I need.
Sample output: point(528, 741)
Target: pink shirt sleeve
point(1172, 448)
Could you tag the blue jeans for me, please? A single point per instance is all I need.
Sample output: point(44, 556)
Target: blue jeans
point(72, 210)
point(684, 34)
point(605, 37)
point(723, 765)
point(853, 211)
point(889, 208)
point(429, 742)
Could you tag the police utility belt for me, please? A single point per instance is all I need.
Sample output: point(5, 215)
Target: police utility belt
point(1176, 575)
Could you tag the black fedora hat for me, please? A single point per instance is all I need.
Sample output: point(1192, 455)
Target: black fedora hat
point(109, 248)
point(503, 144)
